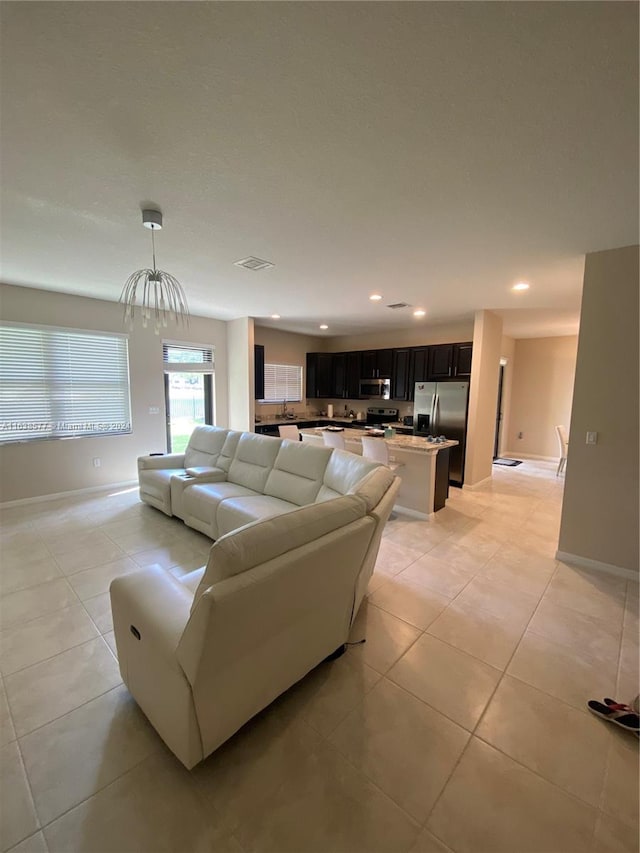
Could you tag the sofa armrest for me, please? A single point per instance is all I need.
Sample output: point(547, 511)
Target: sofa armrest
point(155, 604)
point(203, 473)
point(167, 460)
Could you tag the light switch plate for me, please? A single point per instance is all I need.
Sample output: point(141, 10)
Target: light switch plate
point(154, 410)
point(592, 438)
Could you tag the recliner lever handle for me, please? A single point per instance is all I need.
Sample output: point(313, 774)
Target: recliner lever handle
point(134, 631)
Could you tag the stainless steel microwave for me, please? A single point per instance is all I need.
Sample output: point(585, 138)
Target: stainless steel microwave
point(375, 389)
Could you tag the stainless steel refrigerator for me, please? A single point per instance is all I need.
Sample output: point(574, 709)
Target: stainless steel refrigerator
point(440, 408)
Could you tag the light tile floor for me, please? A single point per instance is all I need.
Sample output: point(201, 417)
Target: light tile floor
point(460, 725)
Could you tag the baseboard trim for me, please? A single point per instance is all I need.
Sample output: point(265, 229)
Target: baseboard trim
point(423, 516)
point(596, 565)
point(513, 454)
point(477, 485)
point(54, 496)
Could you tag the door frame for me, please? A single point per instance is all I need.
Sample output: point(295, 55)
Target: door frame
point(208, 400)
point(496, 440)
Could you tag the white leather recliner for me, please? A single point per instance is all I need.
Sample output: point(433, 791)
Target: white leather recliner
point(163, 477)
point(203, 654)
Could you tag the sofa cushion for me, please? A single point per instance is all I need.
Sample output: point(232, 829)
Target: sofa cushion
point(228, 450)
point(297, 472)
point(236, 512)
point(201, 501)
point(204, 446)
point(253, 460)
point(343, 472)
point(265, 540)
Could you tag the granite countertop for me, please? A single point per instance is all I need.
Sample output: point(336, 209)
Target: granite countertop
point(398, 442)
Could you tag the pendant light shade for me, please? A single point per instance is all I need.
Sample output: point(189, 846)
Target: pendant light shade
point(156, 294)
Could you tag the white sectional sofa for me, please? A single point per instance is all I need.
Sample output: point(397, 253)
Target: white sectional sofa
point(298, 530)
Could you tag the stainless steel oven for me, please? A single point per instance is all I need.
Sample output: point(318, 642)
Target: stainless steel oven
point(375, 389)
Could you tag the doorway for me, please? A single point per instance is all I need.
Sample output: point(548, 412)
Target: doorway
point(188, 392)
point(496, 440)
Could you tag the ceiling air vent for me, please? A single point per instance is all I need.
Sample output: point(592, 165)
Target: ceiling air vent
point(254, 264)
point(397, 305)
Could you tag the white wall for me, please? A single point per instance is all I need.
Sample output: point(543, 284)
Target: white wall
point(542, 389)
point(600, 508)
point(286, 348)
point(483, 397)
point(417, 336)
point(241, 374)
point(50, 466)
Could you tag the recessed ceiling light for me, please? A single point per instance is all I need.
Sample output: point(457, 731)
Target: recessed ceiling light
point(419, 312)
point(521, 285)
point(275, 316)
point(324, 326)
point(375, 297)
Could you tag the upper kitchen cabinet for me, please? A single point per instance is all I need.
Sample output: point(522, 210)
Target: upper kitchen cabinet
point(419, 366)
point(258, 364)
point(319, 374)
point(462, 359)
point(400, 385)
point(440, 361)
point(353, 375)
point(339, 374)
point(377, 364)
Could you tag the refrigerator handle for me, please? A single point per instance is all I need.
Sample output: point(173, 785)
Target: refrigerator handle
point(436, 414)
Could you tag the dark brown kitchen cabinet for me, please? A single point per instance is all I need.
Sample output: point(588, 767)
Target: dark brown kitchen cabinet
point(377, 364)
point(258, 364)
point(441, 361)
point(339, 374)
point(419, 366)
point(400, 389)
point(462, 359)
point(353, 375)
point(319, 374)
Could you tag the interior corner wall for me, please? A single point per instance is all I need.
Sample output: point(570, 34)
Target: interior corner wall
point(483, 397)
point(600, 508)
point(44, 467)
point(286, 348)
point(507, 354)
point(542, 389)
point(241, 374)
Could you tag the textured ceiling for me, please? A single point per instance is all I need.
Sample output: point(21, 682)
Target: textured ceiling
point(434, 152)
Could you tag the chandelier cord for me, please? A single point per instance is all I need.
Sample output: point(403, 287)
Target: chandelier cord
point(153, 248)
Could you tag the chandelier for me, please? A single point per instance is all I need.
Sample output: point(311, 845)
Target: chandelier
point(157, 293)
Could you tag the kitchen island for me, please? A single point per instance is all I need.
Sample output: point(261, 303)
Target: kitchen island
point(421, 493)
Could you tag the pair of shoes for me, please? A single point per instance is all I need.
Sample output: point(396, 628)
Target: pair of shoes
point(622, 715)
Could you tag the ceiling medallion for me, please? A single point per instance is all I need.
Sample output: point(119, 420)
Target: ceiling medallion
point(157, 293)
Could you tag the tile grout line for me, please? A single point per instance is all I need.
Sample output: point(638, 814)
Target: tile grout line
point(490, 699)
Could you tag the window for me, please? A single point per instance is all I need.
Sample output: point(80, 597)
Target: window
point(282, 382)
point(61, 383)
point(188, 391)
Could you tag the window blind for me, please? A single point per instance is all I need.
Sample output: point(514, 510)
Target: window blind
point(187, 359)
point(282, 382)
point(61, 383)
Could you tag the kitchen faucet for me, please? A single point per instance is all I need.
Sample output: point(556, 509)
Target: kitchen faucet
point(284, 408)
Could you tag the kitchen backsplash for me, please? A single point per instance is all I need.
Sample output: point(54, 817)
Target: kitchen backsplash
point(312, 407)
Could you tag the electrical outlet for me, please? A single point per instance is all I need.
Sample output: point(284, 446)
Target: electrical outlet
point(97, 462)
point(154, 410)
point(392, 458)
point(592, 438)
